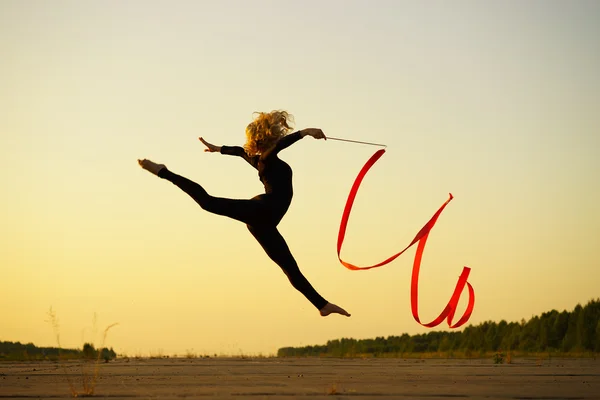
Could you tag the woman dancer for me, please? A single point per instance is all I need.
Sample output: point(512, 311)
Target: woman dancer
point(266, 136)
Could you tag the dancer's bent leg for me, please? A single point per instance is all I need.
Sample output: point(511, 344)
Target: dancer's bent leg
point(277, 249)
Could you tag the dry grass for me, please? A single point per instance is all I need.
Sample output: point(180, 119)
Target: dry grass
point(88, 382)
point(190, 354)
point(333, 390)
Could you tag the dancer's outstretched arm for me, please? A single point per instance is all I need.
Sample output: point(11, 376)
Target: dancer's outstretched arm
point(292, 138)
point(230, 150)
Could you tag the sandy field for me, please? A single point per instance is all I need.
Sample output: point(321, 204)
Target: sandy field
point(314, 378)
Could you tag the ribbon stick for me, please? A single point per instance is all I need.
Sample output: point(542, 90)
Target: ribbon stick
point(421, 239)
point(356, 141)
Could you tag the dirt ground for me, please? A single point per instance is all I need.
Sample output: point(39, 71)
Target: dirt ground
point(317, 378)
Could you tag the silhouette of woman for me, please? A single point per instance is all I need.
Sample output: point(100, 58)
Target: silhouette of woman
point(266, 136)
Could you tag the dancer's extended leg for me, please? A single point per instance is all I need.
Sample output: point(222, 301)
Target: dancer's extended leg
point(277, 249)
point(246, 211)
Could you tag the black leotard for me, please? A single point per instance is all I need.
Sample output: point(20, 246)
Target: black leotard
point(274, 173)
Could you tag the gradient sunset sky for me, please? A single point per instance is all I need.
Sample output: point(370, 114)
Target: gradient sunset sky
point(496, 102)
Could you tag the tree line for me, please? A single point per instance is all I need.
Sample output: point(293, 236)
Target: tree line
point(577, 331)
point(19, 351)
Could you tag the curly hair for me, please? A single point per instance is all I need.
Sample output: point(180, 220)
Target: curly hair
point(266, 130)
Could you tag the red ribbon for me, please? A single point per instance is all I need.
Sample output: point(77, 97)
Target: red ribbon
point(421, 238)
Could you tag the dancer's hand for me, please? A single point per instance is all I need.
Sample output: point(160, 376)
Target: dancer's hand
point(314, 132)
point(211, 148)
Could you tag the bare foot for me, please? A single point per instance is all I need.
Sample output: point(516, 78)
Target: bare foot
point(332, 309)
point(151, 166)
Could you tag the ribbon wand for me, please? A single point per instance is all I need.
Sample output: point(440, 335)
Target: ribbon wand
point(356, 141)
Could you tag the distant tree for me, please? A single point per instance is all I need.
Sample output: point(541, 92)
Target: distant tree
point(530, 333)
point(89, 351)
point(578, 330)
point(492, 339)
point(511, 340)
point(561, 325)
point(597, 338)
point(589, 319)
point(571, 340)
point(108, 354)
